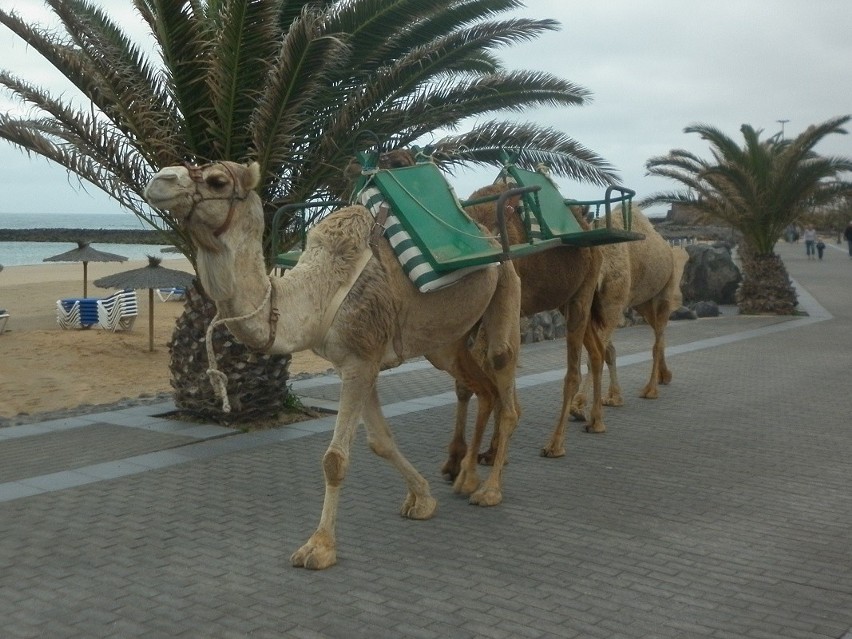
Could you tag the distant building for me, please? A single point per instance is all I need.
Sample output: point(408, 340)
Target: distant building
point(683, 214)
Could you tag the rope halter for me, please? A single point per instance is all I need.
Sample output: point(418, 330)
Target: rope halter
point(196, 174)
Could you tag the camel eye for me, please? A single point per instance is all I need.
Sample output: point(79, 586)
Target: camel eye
point(217, 181)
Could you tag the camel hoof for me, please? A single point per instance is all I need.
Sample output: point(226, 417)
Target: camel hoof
point(450, 470)
point(415, 507)
point(666, 378)
point(486, 497)
point(314, 556)
point(598, 427)
point(553, 451)
point(649, 393)
point(466, 483)
point(577, 415)
point(613, 401)
point(486, 458)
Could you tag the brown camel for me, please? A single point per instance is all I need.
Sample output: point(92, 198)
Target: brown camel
point(644, 275)
point(564, 278)
point(353, 305)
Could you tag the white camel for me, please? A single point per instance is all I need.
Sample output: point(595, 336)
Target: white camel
point(350, 302)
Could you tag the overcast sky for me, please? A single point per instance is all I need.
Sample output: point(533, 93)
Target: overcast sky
point(653, 68)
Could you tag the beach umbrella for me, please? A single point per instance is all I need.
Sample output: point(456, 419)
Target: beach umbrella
point(151, 277)
point(85, 253)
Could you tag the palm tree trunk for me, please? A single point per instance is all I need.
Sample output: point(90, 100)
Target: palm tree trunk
point(257, 382)
point(766, 286)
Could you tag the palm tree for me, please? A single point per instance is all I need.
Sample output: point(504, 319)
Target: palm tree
point(758, 189)
point(294, 85)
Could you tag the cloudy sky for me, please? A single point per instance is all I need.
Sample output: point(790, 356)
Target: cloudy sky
point(653, 68)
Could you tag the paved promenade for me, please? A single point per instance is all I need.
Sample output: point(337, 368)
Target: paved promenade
point(722, 509)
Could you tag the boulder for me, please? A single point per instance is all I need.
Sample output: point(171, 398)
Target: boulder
point(682, 313)
point(710, 274)
point(705, 309)
point(543, 326)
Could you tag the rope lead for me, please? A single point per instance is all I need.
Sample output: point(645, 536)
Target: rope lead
point(218, 379)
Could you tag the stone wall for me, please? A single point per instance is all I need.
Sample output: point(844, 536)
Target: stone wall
point(108, 236)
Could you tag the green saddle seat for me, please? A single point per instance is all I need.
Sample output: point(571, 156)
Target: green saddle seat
point(435, 241)
point(429, 211)
point(552, 216)
point(414, 255)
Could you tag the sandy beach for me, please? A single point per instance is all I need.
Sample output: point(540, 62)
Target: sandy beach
point(44, 368)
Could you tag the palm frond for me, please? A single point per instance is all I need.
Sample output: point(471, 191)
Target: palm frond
point(244, 46)
point(184, 42)
point(287, 109)
point(533, 144)
point(128, 91)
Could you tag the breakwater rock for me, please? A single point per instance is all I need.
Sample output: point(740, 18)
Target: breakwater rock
point(108, 236)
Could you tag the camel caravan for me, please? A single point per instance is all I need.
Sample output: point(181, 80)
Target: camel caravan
point(372, 286)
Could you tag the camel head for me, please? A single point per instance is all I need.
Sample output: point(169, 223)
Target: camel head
point(216, 203)
point(486, 212)
point(204, 198)
point(393, 159)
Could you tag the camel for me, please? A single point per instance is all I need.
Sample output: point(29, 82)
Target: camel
point(349, 301)
point(565, 278)
point(644, 275)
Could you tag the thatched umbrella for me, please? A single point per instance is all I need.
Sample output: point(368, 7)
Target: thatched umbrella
point(151, 277)
point(85, 253)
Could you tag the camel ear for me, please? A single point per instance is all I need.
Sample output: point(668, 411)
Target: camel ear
point(252, 178)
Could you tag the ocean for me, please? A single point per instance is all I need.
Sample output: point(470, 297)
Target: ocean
point(24, 253)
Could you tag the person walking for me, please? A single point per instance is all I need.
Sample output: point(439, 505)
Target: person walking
point(820, 245)
point(810, 242)
point(848, 235)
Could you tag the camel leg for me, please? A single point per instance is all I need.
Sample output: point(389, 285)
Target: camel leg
point(578, 403)
point(613, 396)
point(490, 492)
point(663, 310)
point(613, 315)
point(458, 446)
point(487, 458)
point(474, 366)
point(462, 363)
point(594, 347)
point(419, 503)
point(457, 450)
point(501, 323)
point(656, 315)
point(576, 321)
point(468, 478)
point(320, 551)
point(665, 375)
point(613, 311)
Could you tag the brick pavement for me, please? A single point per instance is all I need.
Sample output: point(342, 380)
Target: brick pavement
point(721, 510)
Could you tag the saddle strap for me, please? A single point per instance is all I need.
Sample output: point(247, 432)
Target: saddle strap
point(343, 291)
point(378, 229)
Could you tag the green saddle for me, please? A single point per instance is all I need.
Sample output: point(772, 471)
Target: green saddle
point(551, 215)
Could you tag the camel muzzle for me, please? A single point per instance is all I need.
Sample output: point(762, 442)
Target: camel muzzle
point(164, 191)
